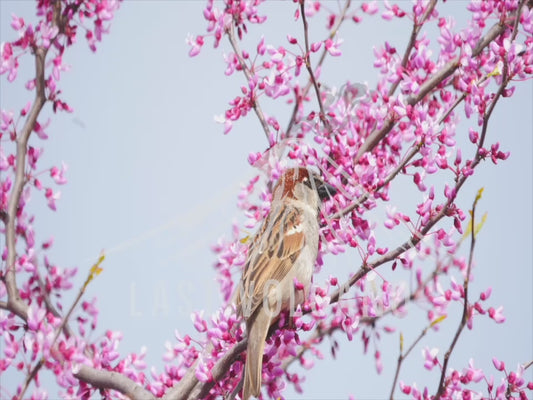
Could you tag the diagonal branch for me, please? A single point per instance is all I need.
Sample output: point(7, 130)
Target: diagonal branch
point(249, 77)
point(194, 389)
point(417, 25)
point(113, 380)
point(408, 157)
point(447, 70)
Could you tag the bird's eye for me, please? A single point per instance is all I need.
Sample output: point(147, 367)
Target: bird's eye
point(307, 182)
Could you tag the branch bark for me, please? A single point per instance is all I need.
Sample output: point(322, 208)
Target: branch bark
point(15, 303)
point(113, 380)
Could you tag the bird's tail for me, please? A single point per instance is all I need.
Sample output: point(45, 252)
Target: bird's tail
point(257, 328)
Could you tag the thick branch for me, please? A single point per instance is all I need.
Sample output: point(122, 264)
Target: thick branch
point(219, 370)
point(197, 390)
point(113, 380)
point(15, 303)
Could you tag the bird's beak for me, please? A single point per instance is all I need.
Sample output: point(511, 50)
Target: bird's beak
point(326, 191)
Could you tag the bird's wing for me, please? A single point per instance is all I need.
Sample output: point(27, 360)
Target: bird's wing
point(272, 253)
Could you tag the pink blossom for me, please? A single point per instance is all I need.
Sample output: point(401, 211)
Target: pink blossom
point(370, 8)
point(58, 175)
point(48, 33)
point(35, 317)
point(332, 46)
point(199, 322)
point(40, 129)
point(33, 156)
point(7, 120)
point(486, 294)
point(499, 365)
point(473, 374)
point(430, 356)
point(315, 46)
point(9, 62)
point(497, 314)
point(203, 372)
point(17, 23)
point(52, 197)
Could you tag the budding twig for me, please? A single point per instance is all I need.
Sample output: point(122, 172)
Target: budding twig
point(307, 58)
point(249, 76)
point(302, 95)
point(417, 25)
point(466, 312)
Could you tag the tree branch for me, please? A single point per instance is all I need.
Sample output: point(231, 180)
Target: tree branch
point(466, 313)
point(403, 356)
point(408, 157)
point(248, 74)
point(219, 370)
point(309, 84)
point(193, 388)
point(448, 69)
point(417, 25)
point(104, 379)
point(307, 58)
point(14, 302)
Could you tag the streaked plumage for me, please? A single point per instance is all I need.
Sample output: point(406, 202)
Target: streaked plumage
point(284, 249)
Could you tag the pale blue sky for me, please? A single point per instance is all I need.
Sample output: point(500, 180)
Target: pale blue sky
point(153, 181)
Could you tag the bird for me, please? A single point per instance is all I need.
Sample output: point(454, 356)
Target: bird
point(283, 250)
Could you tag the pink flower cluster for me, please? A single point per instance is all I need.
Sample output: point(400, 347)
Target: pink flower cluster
point(512, 384)
point(42, 338)
point(361, 139)
point(416, 111)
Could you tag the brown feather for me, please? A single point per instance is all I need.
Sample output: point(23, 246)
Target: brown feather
point(257, 328)
point(272, 263)
point(271, 256)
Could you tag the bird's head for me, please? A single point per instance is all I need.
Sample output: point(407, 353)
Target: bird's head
point(304, 185)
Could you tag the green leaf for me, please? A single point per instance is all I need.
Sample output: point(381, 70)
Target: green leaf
point(437, 321)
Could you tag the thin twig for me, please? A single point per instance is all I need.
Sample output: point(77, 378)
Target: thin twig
point(249, 77)
point(466, 313)
point(320, 333)
point(307, 58)
point(403, 356)
point(417, 25)
point(63, 326)
point(30, 377)
point(303, 94)
point(364, 197)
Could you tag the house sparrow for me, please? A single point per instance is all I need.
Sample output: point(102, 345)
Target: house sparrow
point(284, 249)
